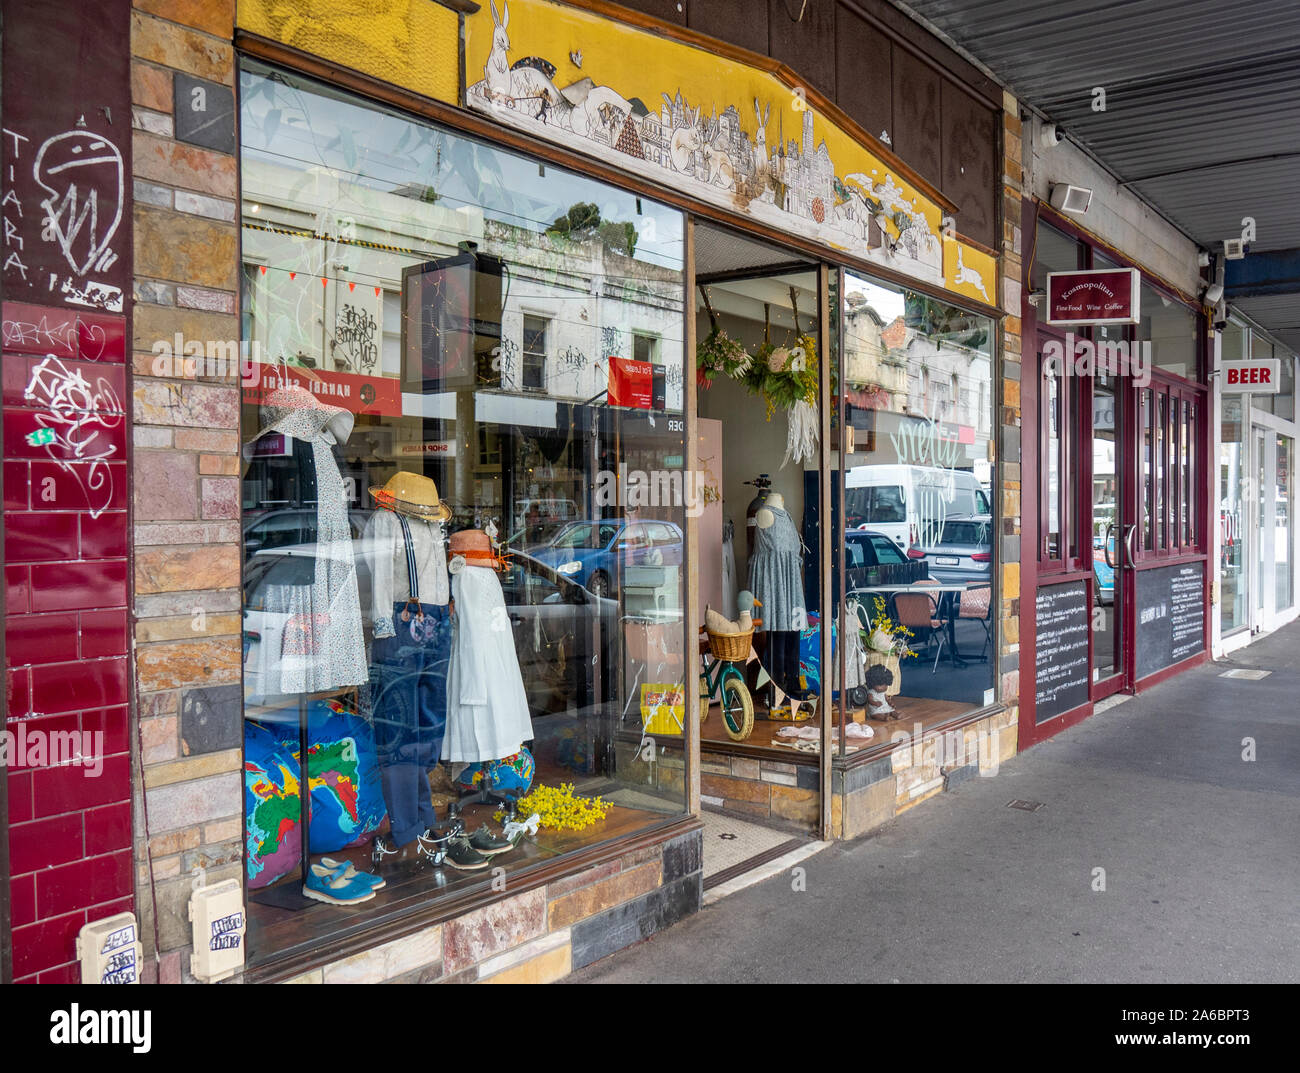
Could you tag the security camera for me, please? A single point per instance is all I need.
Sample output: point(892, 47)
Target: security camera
point(1049, 135)
point(1220, 325)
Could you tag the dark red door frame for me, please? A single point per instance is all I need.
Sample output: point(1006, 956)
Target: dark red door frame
point(1034, 573)
point(1122, 591)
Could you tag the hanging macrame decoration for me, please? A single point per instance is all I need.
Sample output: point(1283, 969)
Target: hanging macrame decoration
point(801, 433)
point(794, 387)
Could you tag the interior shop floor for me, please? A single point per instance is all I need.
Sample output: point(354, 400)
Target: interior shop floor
point(283, 931)
point(924, 710)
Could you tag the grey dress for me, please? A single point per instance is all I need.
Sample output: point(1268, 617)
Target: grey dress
point(776, 574)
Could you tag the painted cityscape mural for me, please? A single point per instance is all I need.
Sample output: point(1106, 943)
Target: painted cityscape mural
point(712, 128)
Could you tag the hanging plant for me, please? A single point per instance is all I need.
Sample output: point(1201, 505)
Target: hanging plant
point(717, 353)
point(791, 373)
point(796, 380)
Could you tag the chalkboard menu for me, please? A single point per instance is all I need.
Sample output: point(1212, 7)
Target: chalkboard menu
point(1061, 653)
point(1170, 616)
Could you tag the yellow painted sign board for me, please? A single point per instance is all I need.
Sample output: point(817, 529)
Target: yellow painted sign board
point(714, 129)
point(414, 44)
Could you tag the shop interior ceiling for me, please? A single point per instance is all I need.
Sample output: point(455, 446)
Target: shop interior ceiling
point(745, 298)
point(719, 251)
point(1201, 104)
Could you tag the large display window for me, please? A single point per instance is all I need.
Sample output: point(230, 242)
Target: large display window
point(919, 552)
point(758, 366)
point(464, 508)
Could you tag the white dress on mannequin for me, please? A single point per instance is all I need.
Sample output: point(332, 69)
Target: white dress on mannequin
point(322, 648)
point(487, 709)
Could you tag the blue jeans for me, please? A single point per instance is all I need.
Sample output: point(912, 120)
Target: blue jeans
point(408, 688)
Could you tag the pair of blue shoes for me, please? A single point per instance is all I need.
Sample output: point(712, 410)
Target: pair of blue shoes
point(339, 883)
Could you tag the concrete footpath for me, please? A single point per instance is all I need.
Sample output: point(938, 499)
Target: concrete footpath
point(1200, 847)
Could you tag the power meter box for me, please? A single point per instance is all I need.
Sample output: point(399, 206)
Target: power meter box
point(109, 951)
point(217, 917)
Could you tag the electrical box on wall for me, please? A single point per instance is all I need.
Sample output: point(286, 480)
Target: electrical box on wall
point(217, 916)
point(109, 951)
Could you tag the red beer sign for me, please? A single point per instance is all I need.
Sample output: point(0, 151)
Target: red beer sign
point(1098, 296)
point(1259, 377)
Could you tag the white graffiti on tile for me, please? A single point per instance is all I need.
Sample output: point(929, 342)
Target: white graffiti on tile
point(81, 172)
point(82, 417)
point(91, 294)
point(70, 334)
point(13, 206)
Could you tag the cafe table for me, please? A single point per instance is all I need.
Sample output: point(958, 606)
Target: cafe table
point(948, 605)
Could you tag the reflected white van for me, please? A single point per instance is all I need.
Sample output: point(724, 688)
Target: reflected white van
point(910, 504)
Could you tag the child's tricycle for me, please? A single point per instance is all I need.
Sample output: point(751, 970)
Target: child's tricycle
point(722, 655)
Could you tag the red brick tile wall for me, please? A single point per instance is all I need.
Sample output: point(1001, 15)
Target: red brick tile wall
point(65, 170)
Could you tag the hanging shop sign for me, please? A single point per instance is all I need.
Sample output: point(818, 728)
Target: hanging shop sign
point(1256, 377)
point(270, 445)
point(1097, 296)
point(715, 129)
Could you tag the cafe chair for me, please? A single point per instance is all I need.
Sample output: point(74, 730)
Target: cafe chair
point(919, 612)
point(977, 603)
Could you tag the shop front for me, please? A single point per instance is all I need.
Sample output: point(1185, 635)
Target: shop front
point(1256, 535)
point(533, 450)
point(844, 481)
point(1119, 559)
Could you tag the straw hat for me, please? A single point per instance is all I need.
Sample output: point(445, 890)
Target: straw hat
point(412, 493)
point(475, 547)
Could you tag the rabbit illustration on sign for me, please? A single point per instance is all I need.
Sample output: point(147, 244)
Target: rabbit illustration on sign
point(686, 139)
point(717, 164)
point(970, 276)
point(496, 72)
point(760, 139)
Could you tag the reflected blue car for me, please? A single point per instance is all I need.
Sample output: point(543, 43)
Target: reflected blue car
point(593, 552)
point(1103, 573)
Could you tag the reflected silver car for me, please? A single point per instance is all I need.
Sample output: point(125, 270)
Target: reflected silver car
point(964, 552)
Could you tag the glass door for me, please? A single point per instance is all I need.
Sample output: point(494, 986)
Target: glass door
point(1112, 526)
point(1283, 568)
point(1234, 515)
point(1262, 588)
point(1271, 559)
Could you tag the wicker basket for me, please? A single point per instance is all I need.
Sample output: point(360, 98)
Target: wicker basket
point(730, 647)
point(875, 658)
